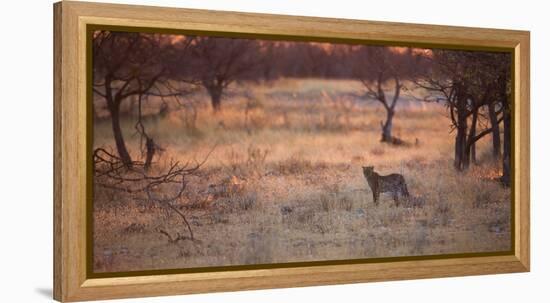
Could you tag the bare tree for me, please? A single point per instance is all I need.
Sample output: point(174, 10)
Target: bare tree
point(377, 68)
point(110, 172)
point(446, 78)
point(220, 61)
point(470, 83)
point(132, 66)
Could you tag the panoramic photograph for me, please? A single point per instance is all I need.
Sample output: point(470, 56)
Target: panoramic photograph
point(214, 151)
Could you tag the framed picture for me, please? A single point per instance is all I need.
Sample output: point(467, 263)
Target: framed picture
point(201, 151)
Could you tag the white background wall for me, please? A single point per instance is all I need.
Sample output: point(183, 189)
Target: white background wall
point(26, 149)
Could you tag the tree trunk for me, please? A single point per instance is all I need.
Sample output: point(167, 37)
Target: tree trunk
point(150, 147)
point(113, 105)
point(387, 126)
point(495, 130)
point(459, 150)
point(119, 139)
point(470, 156)
point(473, 154)
point(215, 93)
point(507, 119)
point(461, 133)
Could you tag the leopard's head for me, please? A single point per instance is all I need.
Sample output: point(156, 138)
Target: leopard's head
point(368, 170)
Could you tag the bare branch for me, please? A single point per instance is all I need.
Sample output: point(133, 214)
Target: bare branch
point(111, 173)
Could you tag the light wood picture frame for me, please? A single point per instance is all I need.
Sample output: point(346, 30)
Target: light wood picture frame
point(72, 23)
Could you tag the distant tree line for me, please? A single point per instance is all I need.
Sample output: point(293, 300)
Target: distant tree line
point(475, 86)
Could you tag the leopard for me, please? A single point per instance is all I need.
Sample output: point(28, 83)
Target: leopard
point(392, 183)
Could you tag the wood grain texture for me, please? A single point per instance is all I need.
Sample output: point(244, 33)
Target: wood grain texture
point(521, 148)
point(70, 20)
point(57, 107)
